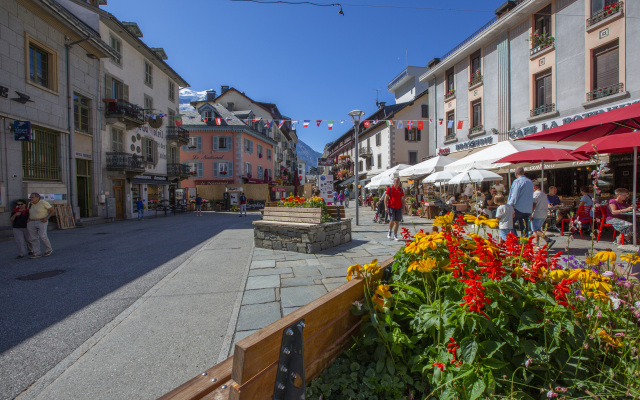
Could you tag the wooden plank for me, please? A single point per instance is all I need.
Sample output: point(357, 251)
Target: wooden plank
point(201, 386)
point(292, 219)
point(64, 216)
point(294, 224)
point(329, 325)
point(286, 214)
point(293, 210)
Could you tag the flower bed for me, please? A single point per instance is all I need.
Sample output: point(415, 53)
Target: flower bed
point(465, 317)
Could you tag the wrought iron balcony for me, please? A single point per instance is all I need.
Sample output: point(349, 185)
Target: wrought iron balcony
point(179, 170)
point(541, 43)
point(130, 114)
point(365, 151)
point(117, 161)
point(605, 13)
point(605, 91)
point(475, 79)
point(450, 94)
point(543, 109)
point(476, 129)
point(177, 134)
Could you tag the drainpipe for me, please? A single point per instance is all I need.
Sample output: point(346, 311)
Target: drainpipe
point(71, 191)
point(435, 113)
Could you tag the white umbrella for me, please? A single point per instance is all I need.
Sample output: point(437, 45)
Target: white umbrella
point(475, 176)
point(440, 176)
point(426, 167)
point(384, 181)
point(484, 159)
point(391, 172)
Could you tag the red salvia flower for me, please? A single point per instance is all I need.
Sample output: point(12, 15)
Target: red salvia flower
point(560, 291)
point(439, 365)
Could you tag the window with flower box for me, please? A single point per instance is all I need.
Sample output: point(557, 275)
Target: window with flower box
point(223, 169)
point(260, 172)
point(475, 66)
point(195, 168)
point(269, 154)
point(450, 85)
point(606, 71)
point(451, 129)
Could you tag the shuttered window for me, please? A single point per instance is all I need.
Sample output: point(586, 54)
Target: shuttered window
point(40, 157)
point(475, 63)
point(606, 66)
point(150, 150)
point(544, 89)
point(115, 89)
point(450, 80)
point(117, 140)
point(476, 108)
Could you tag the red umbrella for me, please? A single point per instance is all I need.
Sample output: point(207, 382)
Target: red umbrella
point(620, 120)
point(540, 156)
point(623, 143)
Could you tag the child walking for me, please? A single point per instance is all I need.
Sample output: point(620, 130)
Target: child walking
point(504, 214)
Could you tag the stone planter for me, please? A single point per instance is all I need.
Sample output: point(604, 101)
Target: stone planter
point(301, 238)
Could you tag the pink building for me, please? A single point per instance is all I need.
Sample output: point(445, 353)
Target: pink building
point(224, 150)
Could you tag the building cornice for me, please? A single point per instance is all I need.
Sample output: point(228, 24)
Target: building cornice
point(230, 129)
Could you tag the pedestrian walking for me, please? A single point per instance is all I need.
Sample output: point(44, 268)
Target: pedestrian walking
point(539, 215)
point(198, 206)
point(346, 198)
point(39, 213)
point(504, 215)
point(394, 203)
point(334, 199)
point(19, 218)
point(140, 205)
point(341, 197)
point(243, 204)
point(521, 199)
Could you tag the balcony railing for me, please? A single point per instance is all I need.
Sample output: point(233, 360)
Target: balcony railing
point(605, 91)
point(541, 43)
point(605, 13)
point(175, 169)
point(365, 151)
point(543, 109)
point(450, 94)
point(476, 129)
point(123, 109)
point(117, 161)
point(475, 79)
point(177, 134)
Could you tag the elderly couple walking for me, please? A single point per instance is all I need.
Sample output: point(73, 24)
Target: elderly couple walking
point(30, 226)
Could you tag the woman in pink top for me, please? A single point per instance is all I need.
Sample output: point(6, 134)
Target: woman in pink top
point(618, 206)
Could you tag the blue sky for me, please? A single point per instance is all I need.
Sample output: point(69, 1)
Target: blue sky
point(311, 61)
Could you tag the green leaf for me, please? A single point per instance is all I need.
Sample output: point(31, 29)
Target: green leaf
point(494, 363)
point(490, 382)
point(529, 320)
point(469, 348)
point(413, 289)
point(510, 337)
point(477, 389)
point(489, 347)
point(390, 367)
point(379, 366)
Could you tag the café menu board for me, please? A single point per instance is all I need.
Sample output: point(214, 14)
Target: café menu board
point(325, 184)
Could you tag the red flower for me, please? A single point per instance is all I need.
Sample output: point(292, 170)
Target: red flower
point(452, 347)
point(560, 291)
point(439, 365)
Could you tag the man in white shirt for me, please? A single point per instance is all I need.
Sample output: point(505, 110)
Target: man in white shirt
point(539, 215)
point(500, 188)
point(468, 190)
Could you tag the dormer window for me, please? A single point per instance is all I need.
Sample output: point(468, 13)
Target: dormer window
point(207, 114)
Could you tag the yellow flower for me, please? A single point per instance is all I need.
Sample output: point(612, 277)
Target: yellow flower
point(444, 220)
point(592, 261)
point(599, 296)
point(491, 223)
point(423, 265)
point(604, 336)
point(558, 275)
point(354, 270)
point(381, 293)
point(606, 256)
point(372, 267)
point(473, 235)
point(420, 235)
point(431, 241)
point(383, 290)
point(600, 285)
point(469, 217)
point(413, 248)
point(584, 275)
point(630, 258)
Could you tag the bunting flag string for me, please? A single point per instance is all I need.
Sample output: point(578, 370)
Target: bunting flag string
point(330, 124)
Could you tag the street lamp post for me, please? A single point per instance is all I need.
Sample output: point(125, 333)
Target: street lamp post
point(356, 115)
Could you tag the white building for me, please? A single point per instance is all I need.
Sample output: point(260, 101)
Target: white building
point(302, 171)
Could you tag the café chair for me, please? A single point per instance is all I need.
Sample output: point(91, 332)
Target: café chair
point(600, 213)
point(583, 215)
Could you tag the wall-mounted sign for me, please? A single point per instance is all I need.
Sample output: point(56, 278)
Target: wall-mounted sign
point(4, 92)
point(22, 130)
point(83, 155)
point(472, 144)
point(326, 162)
point(218, 182)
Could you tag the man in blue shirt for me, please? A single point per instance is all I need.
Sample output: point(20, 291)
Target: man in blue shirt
point(521, 198)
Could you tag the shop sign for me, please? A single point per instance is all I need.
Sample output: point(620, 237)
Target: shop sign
point(443, 151)
point(22, 130)
point(522, 132)
point(151, 178)
point(256, 205)
point(622, 158)
point(472, 144)
point(218, 182)
point(275, 189)
point(326, 162)
point(570, 164)
point(234, 189)
point(83, 155)
point(206, 157)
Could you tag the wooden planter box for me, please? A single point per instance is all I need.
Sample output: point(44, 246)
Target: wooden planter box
point(250, 373)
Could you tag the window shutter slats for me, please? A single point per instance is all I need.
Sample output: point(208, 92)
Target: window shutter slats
point(230, 169)
point(108, 93)
point(155, 153)
point(548, 90)
point(125, 92)
point(606, 69)
point(199, 143)
point(406, 134)
point(215, 143)
point(199, 170)
point(215, 169)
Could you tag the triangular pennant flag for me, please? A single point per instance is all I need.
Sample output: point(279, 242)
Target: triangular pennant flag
point(420, 125)
point(305, 123)
point(330, 123)
point(367, 123)
point(375, 121)
point(440, 120)
point(409, 125)
point(460, 124)
point(389, 122)
point(450, 124)
point(268, 123)
point(318, 122)
point(218, 121)
point(399, 126)
point(256, 119)
point(280, 123)
point(153, 116)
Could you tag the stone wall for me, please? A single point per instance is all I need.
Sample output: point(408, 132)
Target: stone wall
point(302, 239)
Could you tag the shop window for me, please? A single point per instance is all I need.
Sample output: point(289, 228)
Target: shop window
point(451, 129)
point(148, 73)
point(116, 44)
point(117, 140)
point(40, 156)
point(413, 157)
point(606, 67)
point(412, 135)
point(43, 65)
point(82, 113)
point(544, 90)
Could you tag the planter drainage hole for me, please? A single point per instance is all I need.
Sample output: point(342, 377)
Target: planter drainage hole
point(41, 275)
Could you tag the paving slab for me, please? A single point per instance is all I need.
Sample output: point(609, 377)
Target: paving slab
point(259, 296)
point(306, 270)
point(291, 263)
point(263, 282)
point(300, 295)
point(288, 310)
point(335, 261)
point(257, 316)
point(290, 255)
point(269, 271)
point(334, 272)
point(299, 280)
point(332, 283)
point(263, 263)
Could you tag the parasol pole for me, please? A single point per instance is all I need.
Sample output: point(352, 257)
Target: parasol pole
point(509, 175)
point(633, 200)
point(542, 177)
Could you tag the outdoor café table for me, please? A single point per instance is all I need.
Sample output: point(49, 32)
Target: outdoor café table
point(553, 214)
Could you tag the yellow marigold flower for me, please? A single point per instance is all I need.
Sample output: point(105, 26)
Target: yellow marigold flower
point(423, 266)
point(630, 258)
point(584, 275)
point(558, 275)
point(444, 220)
point(420, 235)
point(491, 223)
point(372, 267)
point(469, 217)
point(431, 241)
point(354, 270)
point(413, 248)
point(605, 256)
point(381, 293)
point(383, 290)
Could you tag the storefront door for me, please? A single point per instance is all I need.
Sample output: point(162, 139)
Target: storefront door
point(83, 178)
point(118, 193)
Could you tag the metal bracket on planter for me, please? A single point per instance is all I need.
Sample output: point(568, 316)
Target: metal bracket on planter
point(290, 380)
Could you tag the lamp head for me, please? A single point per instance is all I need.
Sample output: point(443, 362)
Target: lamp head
point(356, 115)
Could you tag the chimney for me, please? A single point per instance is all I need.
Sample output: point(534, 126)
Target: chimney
point(381, 105)
point(224, 89)
point(230, 106)
point(211, 95)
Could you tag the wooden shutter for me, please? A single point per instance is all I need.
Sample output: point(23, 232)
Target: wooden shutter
point(155, 153)
point(406, 134)
point(230, 169)
point(215, 144)
point(108, 92)
point(125, 92)
point(606, 66)
point(215, 169)
point(418, 135)
point(251, 146)
point(548, 90)
point(199, 148)
point(199, 169)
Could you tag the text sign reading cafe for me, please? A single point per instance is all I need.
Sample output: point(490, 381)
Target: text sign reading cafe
point(521, 132)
